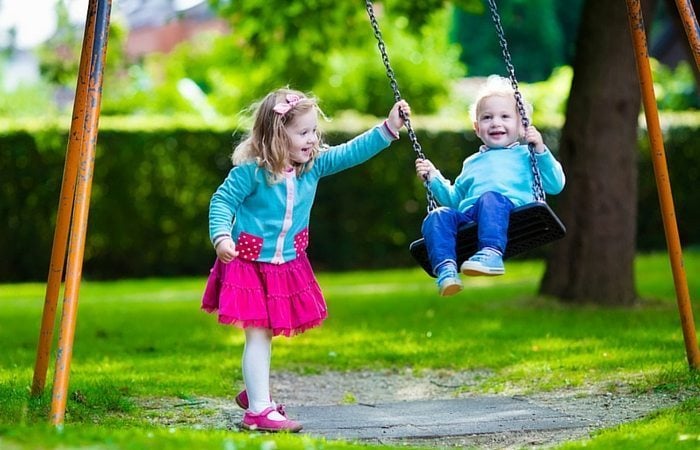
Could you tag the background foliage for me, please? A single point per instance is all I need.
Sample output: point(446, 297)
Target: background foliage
point(307, 45)
point(153, 180)
point(540, 36)
point(322, 46)
point(152, 185)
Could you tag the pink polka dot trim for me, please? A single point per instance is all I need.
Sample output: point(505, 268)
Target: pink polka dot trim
point(249, 246)
point(301, 241)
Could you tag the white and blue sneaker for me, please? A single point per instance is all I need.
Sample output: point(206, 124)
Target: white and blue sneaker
point(448, 280)
point(486, 261)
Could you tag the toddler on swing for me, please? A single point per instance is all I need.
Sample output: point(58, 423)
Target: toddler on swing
point(492, 182)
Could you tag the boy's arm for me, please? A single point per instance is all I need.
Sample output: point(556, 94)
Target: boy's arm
point(553, 178)
point(533, 136)
point(445, 193)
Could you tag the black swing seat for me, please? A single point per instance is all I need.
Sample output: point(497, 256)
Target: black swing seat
point(530, 226)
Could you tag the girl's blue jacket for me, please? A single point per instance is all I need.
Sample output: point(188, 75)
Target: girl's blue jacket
point(269, 222)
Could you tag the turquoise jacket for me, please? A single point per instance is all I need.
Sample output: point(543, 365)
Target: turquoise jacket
point(503, 170)
point(269, 222)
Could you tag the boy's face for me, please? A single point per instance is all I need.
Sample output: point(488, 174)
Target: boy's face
point(497, 121)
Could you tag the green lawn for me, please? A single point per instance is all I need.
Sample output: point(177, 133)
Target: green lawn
point(145, 338)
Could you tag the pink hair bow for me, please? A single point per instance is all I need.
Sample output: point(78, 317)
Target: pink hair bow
point(283, 108)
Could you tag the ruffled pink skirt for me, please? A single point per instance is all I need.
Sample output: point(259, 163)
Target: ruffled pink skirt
point(284, 298)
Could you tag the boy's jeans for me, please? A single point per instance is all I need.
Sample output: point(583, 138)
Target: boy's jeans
point(491, 213)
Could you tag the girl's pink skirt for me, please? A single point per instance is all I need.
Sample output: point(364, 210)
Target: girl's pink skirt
point(284, 298)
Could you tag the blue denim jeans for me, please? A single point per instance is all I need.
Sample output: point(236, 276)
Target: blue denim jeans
point(491, 213)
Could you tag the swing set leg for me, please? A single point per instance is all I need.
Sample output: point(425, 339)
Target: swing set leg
point(663, 184)
point(75, 194)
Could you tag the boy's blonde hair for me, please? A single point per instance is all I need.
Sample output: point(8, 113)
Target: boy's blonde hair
point(267, 142)
point(496, 86)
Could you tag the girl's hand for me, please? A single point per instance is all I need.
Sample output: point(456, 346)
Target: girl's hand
point(226, 250)
point(394, 119)
point(532, 136)
point(425, 169)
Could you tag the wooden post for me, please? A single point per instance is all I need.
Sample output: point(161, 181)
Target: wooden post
point(74, 205)
point(663, 185)
point(690, 23)
point(65, 207)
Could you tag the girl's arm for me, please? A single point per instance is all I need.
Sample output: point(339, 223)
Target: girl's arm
point(396, 118)
point(364, 146)
point(225, 202)
point(226, 249)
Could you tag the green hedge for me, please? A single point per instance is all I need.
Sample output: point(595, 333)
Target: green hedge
point(151, 190)
point(682, 145)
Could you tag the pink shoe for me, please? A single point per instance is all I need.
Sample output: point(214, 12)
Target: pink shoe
point(260, 422)
point(242, 402)
point(242, 399)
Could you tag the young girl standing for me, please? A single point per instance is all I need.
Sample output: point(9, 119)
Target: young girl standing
point(258, 223)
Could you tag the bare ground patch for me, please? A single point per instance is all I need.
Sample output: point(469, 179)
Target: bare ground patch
point(596, 406)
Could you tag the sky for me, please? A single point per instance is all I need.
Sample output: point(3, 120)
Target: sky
point(35, 20)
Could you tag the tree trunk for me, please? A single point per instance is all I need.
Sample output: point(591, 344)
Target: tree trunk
point(598, 149)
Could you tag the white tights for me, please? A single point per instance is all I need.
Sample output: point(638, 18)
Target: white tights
point(256, 370)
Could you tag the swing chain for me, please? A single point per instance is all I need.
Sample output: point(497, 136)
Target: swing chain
point(432, 204)
point(537, 189)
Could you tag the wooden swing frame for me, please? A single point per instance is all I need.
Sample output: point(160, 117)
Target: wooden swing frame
point(71, 224)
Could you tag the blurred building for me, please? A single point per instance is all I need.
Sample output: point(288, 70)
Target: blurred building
point(21, 67)
point(157, 26)
point(154, 26)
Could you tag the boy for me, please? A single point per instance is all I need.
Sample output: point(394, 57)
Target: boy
point(492, 182)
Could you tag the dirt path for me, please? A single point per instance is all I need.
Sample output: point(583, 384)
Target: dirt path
point(593, 405)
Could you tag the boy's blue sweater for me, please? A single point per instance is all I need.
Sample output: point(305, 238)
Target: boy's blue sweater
point(504, 170)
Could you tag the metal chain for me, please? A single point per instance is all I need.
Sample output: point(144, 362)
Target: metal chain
point(537, 189)
point(432, 204)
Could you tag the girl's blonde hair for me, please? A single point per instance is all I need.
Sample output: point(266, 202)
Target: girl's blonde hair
point(496, 86)
point(267, 142)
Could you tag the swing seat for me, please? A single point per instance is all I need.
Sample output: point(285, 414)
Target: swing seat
point(530, 226)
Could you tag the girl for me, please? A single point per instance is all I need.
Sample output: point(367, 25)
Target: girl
point(258, 223)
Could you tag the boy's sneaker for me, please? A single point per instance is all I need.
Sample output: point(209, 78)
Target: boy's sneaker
point(261, 422)
point(484, 262)
point(448, 280)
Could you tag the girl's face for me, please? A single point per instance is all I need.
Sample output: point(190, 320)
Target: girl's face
point(302, 136)
point(497, 122)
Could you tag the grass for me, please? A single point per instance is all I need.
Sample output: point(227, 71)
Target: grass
point(137, 339)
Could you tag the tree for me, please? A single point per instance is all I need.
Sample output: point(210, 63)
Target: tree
point(59, 57)
point(539, 34)
point(598, 149)
point(326, 47)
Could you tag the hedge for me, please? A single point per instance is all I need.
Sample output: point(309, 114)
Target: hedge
point(152, 184)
